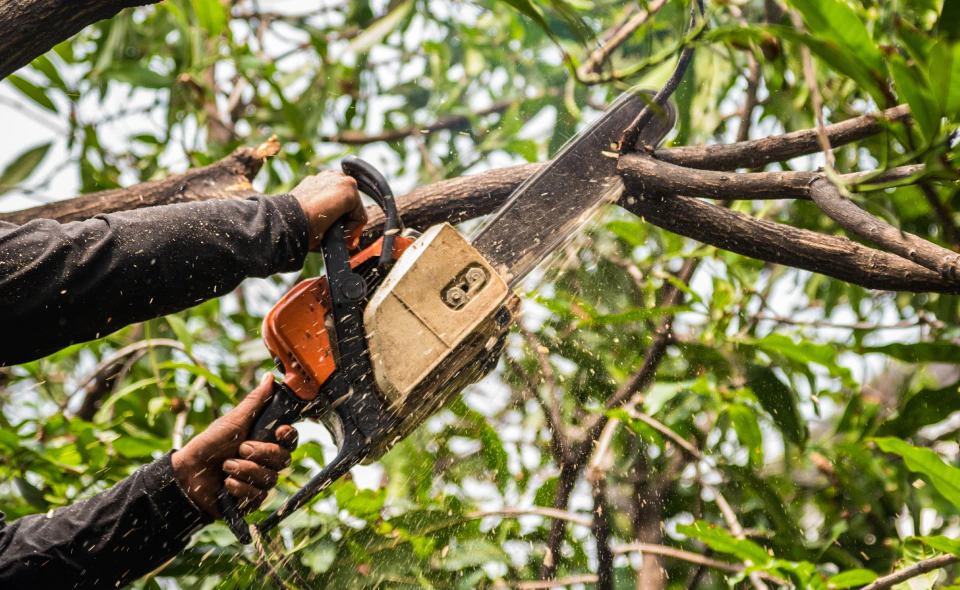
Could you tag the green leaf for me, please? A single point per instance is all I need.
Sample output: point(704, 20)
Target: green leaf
point(135, 447)
point(920, 352)
point(720, 540)
point(836, 21)
point(31, 494)
point(949, 23)
point(211, 15)
point(33, 92)
point(914, 87)
point(474, 552)
point(105, 408)
point(929, 406)
point(380, 30)
point(180, 329)
point(944, 67)
point(806, 352)
point(494, 455)
point(634, 315)
point(941, 543)
point(779, 401)
point(745, 423)
point(138, 76)
point(21, 168)
point(851, 578)
point(214, 380)
point(945, 478)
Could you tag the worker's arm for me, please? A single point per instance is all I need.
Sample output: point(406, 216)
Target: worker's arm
point(145, 520)
point(66, 283)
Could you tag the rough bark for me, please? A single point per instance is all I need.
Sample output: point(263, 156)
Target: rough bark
point(906, 245)
point(655, 178)
point(228, 178)
point(30, 28)
point(758, 153)
point(833, 256)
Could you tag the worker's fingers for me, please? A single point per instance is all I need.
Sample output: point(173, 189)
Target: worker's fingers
point(287, 437)
point(266, 454)
point(248, 496)
point(356, 221)
point(245, 413)
point(251, 473)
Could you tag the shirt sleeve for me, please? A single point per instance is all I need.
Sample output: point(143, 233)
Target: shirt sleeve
point(107, 541)
point(66, 283)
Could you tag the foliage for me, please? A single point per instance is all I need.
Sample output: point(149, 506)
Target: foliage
point(830, 435)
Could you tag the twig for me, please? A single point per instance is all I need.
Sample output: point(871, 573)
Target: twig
point(553, 410)
point(917, 569)
point(589, 69)
point(630, 135)
point(731, 518)
point(816, 100)
point(666, 431)
point(678, 554)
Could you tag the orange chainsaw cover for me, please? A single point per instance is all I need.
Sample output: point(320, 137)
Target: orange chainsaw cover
point(295, 330)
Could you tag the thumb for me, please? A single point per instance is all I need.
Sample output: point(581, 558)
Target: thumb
point(247, 410)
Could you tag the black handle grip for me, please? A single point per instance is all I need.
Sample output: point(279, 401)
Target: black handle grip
point(371, 182)
point(283, 408)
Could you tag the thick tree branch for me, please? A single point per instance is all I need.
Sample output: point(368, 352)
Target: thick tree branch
point(30, 28)
point(855, 220)
point(656, 178)
point(758, 153)
point(833, 256)
point(227, 179)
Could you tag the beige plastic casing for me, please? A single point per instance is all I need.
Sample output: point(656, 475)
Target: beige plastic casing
point(411, 331)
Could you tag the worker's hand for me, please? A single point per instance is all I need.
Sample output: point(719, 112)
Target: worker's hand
point(223, 451)
point(327, 197)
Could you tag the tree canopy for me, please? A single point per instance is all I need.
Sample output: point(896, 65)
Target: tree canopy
point(745, 374)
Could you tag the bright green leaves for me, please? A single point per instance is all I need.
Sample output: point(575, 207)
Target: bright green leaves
point(945, 478)
point(381, 29)
point(915, 89)
point(851, 578)
point(779, 401)
point(35, 93)
point(836, 22)
point(22, 167)
point(722, 541)
point(212, 16)
point(745, 422)
point(925, 407)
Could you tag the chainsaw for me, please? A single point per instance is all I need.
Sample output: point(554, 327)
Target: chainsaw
point(391, 333)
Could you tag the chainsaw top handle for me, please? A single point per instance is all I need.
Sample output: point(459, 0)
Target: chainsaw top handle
point(373, 184)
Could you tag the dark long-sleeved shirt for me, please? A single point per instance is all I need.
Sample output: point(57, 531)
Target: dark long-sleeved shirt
point(107, 541)
point(66, 283)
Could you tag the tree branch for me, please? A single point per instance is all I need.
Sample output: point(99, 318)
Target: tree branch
point(227, 179)
point(855, 220)
point(917, 569)
point(653, 177)
point(30, 28)
point(833, 256)
point(757, 153)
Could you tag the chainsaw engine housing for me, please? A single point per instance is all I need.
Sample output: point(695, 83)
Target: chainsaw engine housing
point(436, 324)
